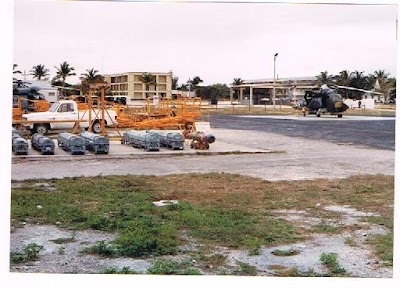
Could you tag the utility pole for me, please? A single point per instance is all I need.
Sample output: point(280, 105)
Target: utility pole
point(273, 91)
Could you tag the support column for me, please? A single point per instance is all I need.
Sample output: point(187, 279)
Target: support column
point(231, 94)
point(241, 95)
point(251, 96)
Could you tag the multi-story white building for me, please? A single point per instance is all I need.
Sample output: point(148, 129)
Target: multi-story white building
point(128, 84)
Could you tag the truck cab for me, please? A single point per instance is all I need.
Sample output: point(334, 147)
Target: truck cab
point(63, 115)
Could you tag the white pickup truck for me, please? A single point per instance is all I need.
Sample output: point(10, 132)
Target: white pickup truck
point(63, 115)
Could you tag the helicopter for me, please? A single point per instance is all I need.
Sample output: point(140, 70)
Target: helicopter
point(323, 101)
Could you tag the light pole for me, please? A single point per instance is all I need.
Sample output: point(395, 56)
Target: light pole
point(189, 84)
point(273, 91)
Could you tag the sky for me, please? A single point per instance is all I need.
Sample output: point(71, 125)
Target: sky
point(216, 41)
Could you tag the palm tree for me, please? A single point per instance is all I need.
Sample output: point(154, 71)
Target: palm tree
point(392, 88)
point(64, 71)
point(193, 84)
point(359, 80)
point(324, 78)
point(147, 80)
point(343, 78)
point(195, 81)
point(371, 81)
point(381, 74)
point(16, 71)
point(174, 84)
point(39, 71)
point(90, 77)
point(237, 81)
point(383, 79)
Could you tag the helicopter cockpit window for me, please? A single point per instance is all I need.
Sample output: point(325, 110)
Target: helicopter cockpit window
point(335, 97)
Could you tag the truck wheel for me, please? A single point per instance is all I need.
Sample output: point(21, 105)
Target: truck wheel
point(340, 115)
point(96, 127)
point(41, 128)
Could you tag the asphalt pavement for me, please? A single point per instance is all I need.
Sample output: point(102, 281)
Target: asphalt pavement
point(375, 132)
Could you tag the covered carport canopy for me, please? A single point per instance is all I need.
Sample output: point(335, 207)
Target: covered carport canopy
point(281, 86)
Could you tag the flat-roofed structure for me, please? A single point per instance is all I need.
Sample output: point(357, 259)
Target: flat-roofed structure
point(128, 84)
point(259, 90)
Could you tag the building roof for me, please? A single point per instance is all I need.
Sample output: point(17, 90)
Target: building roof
point(136, 72)
point(268, 80)
point(42, 84)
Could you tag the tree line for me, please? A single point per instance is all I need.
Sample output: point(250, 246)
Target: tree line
point(379, 81)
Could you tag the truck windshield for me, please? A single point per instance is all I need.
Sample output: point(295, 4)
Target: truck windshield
point(54, 107)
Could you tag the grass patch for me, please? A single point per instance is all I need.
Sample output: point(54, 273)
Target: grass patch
point(116, 270)
point(383, 247)
point(214, 260)
point(245, 269)
point(350, 241)
point(28, 253)
point(324, 228)
point(168, 267)
point(63, 240)
point(226, 209)
point(382, 221)
point(289, 252)
point(330, 261)
point(292, 272)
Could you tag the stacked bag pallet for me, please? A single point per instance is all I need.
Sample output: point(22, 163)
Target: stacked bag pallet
point(96, 143)
point(141, 139)
point(19, 145)
point(42, 144)
point(71, 143)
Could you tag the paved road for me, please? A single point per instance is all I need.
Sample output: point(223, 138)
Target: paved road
point(377, 132)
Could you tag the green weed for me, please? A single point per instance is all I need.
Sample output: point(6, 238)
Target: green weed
point(330, 261)
point(168, 267)
point(383, 247)
point(289, 252)
point(28, 253)
point(116, 270)
point(63, 240)
point(350, 241)
point(245, 269)
point(102, 249)
point(61, 250)
point(324, 228)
